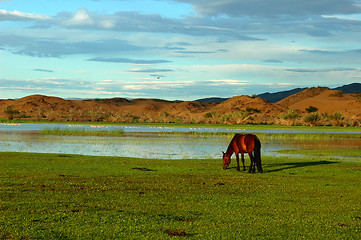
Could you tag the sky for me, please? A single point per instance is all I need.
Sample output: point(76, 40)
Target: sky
point(176, 49)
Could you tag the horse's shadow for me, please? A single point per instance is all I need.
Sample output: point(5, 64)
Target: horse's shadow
point(291, 165)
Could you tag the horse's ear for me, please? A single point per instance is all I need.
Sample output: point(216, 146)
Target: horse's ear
point(223, 152)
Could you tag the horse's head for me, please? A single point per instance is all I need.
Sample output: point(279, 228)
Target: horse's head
point(226, 160)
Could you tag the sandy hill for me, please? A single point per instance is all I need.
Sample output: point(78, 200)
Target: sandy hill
point(246, 109)
point(235, 110)
point(325, 100)
point(120, 109)
point(39, 107)
point(305, 94)
point(249, 104)
point(39, 101)
point(189, 106)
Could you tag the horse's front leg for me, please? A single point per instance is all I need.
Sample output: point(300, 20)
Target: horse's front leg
point(237, 157)
point(252, 168)
point(242, 157)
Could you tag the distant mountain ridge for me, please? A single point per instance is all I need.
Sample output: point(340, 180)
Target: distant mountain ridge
point(350, 88)
point(278, 96)
point(212, 100)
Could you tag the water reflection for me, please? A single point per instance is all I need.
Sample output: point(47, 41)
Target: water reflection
point(145, 145)
point(131, 145)
point(141, 145)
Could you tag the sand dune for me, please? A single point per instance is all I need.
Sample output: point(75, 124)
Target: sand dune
point(251, 109)
point(326, 101)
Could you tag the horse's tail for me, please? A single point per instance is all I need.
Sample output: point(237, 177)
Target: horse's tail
point(257, 154)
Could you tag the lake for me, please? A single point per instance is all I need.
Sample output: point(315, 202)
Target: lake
point(146, 142)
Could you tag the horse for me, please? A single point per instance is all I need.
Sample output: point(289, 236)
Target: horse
point(244, 143)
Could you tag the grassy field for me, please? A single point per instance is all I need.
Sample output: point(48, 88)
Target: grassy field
point(52, 196)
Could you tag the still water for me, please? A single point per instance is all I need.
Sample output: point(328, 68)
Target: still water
point(145, 142)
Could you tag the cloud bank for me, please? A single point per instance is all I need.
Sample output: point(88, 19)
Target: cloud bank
point(219, 48)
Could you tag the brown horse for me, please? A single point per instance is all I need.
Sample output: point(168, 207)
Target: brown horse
point(244, 143)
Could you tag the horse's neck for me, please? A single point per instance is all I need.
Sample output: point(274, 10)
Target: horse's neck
point(230, 149)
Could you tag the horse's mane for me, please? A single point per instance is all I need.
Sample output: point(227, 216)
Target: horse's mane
point(231, 143)
point(235, 135)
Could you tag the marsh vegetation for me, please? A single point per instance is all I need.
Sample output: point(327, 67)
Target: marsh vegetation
point(165, 141)
point(81, 132)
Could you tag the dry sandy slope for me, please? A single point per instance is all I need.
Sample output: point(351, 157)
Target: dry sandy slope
point(326, 100)
point(54, 108)
point(244, 102)
point(157, 110)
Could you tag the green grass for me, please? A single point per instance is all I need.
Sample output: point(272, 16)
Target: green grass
point(52, 196)
point(318, 152)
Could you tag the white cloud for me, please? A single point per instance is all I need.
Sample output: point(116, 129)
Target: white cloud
point(108, 24)
point(20, 16)
point(139, 87)
point(105, 93)
point(81, 17)
point(149, 70)
point(237, 27)
point(146, 85)
point(55, 47)
point(227, 82)
point(271, 8)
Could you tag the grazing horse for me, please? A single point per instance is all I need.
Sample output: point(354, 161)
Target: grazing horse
point(244, 143)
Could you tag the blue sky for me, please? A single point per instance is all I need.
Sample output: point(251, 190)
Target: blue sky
point(176, 49)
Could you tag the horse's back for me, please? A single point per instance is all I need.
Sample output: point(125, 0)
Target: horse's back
point(249, 142)
point(245, 142)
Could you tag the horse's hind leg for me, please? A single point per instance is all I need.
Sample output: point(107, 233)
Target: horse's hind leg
point(242, 156)
point(259, 166)
point(252, 168)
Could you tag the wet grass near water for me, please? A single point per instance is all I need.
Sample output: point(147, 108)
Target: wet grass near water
point(81, 132)
point(277, 136)
point(57, 196)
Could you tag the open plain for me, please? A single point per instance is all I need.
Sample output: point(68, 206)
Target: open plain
point(302, 195)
